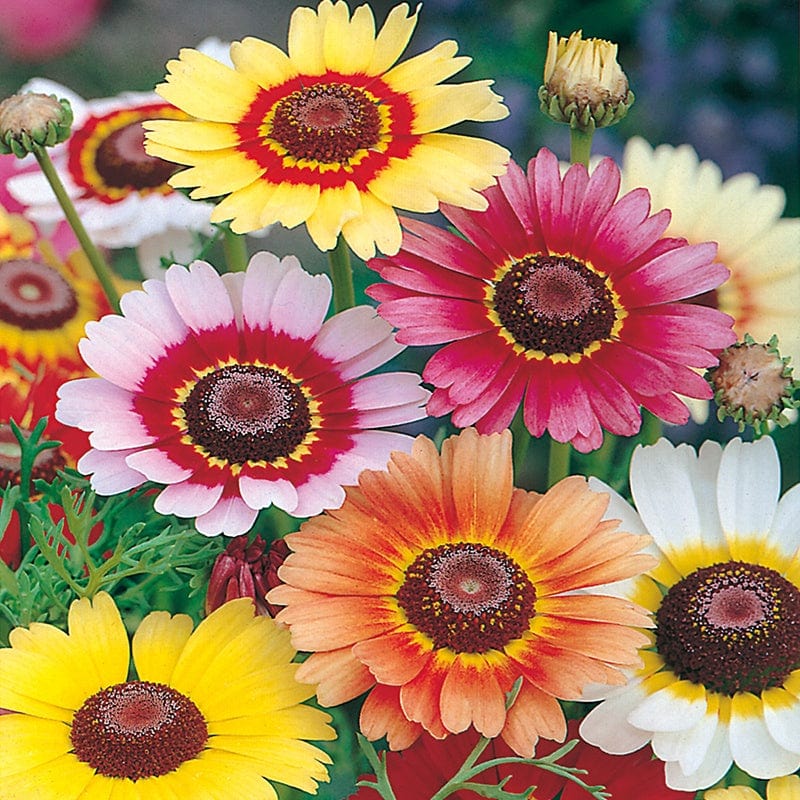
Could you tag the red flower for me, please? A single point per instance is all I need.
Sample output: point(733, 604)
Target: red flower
point(420, 771)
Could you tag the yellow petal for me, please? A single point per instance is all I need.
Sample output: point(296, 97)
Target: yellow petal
point(206, 89)
point(217, 173)
point(63, 778)
point(335, 207)
point(377, 225)
point(392, 39)
point(216, 774)
point(262, 62)
point(29, 742)
point(428, 68)
point(348, 43)
point(244, 207)
point(296, 722)
point(158, 644)
point(305, 41)
point(437, 107)
point(290, 204)
point(192, 135)
point(785, 788)
point(403, 187)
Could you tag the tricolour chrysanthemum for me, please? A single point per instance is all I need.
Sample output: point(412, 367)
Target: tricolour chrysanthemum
point(45, 300)
point(721, 681)
point(211, 713)
point(236, 393)
point(333, 134)
point(437, 585)
point(120, 192)
point(563, 294)
point(758, 246)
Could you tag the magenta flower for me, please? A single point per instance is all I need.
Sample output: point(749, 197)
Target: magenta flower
point(560, 298)
point(235, 393)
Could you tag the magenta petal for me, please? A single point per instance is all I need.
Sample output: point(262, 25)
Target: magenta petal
point(612, 403)
point(467, 365)
point(536, 411)
point(562, 234)
point(481, 404)
point(500, 415)
point(544, 176)
point(439, 404)
point(433, 320)
point(570, 410)
point(601, 192)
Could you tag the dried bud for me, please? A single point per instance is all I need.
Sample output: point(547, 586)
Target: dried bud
point(246, 570)
point(583, 83)
point(28, 120)
point(753, 384)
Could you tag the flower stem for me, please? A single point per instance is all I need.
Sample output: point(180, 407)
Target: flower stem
point(101, 269)
point(344, 295)
point(558, 461)
point(651, 429)
point(234, 245)
point(521, 442)
point(580, 146)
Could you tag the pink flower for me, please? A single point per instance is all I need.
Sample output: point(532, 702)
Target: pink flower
point(237, 394)
point(559, 298)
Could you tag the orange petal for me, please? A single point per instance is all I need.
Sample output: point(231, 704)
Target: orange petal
point(339, 674)
point(395, 658)
point(381, 715)
point(599, 608)
point(471, 695)
point(607, 642)
point(419, 698)
point(533, 714)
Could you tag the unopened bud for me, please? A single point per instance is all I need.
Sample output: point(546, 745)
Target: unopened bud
point(29, 119)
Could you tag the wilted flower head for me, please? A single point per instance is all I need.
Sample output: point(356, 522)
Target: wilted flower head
point(30, 119)
point(583, 83)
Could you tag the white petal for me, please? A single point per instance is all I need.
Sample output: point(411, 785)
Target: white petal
point(606, 726)
point(187, 499)
point(157, 466)
point(785, 533)
point(688, 747)
point(676, 707)
point(782, 717)
point(717, 762)
point(752, 746)
point(111, 475)
point(260, 494)
point(231, 516)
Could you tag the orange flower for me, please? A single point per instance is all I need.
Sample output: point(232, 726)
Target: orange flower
point(437, 584)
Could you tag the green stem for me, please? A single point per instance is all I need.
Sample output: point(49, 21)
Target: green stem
point(652, 428)
point(521, 438)
point(234, 245)
point(344, 295)
point(466, 769)
point(101, 269)
point(580, 145)
point(558, 461)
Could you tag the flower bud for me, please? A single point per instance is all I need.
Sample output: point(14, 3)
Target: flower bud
point(583, 83)
point(30, 119)
point(752, 384)
point(246, 570)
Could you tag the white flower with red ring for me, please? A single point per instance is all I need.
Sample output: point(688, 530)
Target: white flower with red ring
point(237, 393)
point(558, 297)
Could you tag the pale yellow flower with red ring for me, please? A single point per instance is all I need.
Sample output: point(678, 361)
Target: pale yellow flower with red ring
point(333, 134)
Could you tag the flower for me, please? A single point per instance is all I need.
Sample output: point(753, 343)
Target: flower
point(721, 681)
point(787, 788)
point(563, 295)
point(211, 713)
point(420, 771)
point(120, 193)
point(235, 393)
point(583, 83)
point(45, 300)
point(743, 217)
point(30, 120)
point(246, 569)
point(437, 584)
point(334, 134)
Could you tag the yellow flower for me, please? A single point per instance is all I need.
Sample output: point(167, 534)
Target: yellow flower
point(787, 788)
point(333, 134)
point(743, 217)
point(214, 711)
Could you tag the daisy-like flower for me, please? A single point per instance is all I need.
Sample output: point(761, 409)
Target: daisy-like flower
point(786, 788)
point(721, 681)
point(211, 713)
point(744, 218)
point(45, 300)
point(333, 134)
point(420, 771)
point(437, 585)
point(563, 294)
point(235, 393)
point(120, 192)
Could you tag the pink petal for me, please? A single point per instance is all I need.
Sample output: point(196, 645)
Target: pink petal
point(560, 238)
point(482, 404)
point(467, 365)
point(262, 494)
point(612, 403)
point(300, 320)
point(598, 198)
point(188, 499)
point(427, 278)
point(536, 411)
point(229, 517)
point(156, 466)
point(434, 320)
point(570, 409)
point(264, 273)
point(388, 399)
point(154, 311)
point(318, 494)
point(200, 296)
point(544, 177)
point(110, 473)
point(499, 417)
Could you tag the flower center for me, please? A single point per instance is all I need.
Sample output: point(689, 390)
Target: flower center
point(246, 413)
point(732, 627)
point(44, 465)
point(468, 597)
point(34, 296)
point(137, 730)
point(554, 304)
point(327, 122)
point(122, 162)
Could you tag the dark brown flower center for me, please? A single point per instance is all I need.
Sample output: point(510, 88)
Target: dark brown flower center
point(35, 296)
point(122, 162)
point(327, 122)
point(246, 413)
point(138, 730)
point(468, 597)
point(44, 465)
point(732, 627)
point(554, 304)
